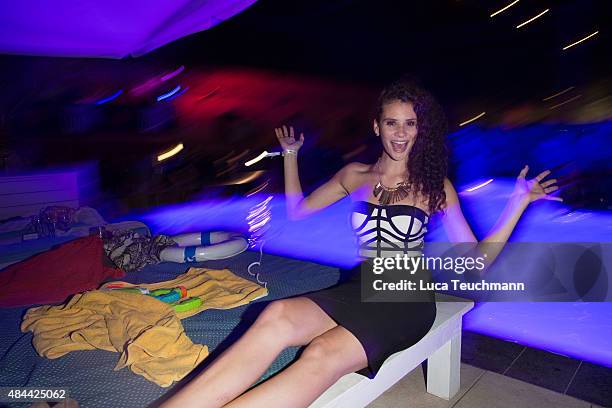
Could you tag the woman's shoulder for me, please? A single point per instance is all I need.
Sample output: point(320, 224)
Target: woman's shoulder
point(353, 174)
point(356, 168)
point(353, 170)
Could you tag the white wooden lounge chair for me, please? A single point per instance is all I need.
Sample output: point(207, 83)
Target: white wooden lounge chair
point(441, 347)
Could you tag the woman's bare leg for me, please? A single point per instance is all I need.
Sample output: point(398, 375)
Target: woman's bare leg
point(283, 323)
point(326, 359)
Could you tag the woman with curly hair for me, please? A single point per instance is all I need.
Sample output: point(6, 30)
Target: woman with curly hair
point(394, 199)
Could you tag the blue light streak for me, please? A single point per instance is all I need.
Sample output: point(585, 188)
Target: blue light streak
point(168, 94)
point(110, 98)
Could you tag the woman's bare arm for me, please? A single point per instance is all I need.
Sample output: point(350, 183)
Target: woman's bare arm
point(454, 222)
point(299, 206)
point(525, 192)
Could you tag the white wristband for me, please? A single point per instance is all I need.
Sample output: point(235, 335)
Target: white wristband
point(289, 152)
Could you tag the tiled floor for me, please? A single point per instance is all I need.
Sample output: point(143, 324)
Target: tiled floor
point(579, 379)
point(488, 353)
point(499, 374)
point(544, 369)
point(479, 389)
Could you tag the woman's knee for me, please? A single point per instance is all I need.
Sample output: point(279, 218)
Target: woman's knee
point(282, 317)
point(277, 314)
point(332, 356)
point(323, 358)
point(319, 351)
point(297, 321)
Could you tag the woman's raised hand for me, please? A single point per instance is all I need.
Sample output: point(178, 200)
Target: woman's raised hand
point(536, 188)
point(286, 138)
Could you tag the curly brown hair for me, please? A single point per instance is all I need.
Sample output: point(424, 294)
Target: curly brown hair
point(428, 158)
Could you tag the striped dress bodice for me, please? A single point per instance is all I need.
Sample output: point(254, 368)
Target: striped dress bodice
point(385, 231)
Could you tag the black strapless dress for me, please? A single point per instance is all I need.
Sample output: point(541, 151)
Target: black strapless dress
point(382, 328)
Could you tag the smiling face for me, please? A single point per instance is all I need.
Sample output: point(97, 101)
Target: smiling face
point(397, 128)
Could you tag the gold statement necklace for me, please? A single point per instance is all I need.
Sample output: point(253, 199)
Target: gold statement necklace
point(387, 195)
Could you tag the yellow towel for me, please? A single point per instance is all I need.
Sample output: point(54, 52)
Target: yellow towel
point(218, 289)
point(144, 330)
